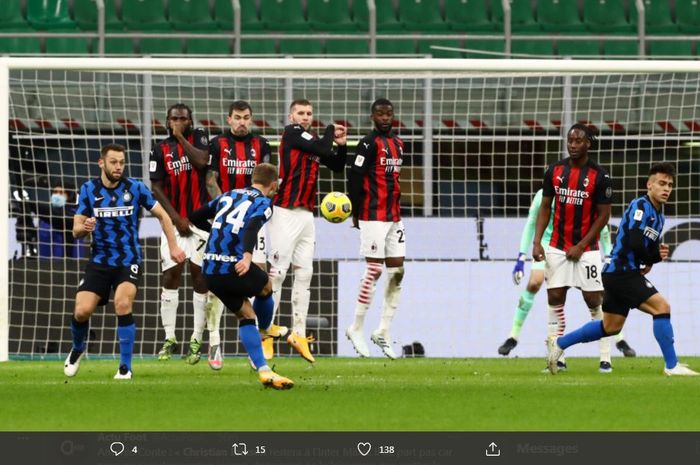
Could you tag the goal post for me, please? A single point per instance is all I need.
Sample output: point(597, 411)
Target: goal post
point(478, 134)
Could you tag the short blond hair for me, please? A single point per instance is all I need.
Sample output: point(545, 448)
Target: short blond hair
point(265, 174)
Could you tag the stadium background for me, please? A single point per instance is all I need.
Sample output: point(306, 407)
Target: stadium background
point(490, 137)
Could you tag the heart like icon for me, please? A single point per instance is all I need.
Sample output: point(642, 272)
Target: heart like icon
point(364, 448)
point(116, 448)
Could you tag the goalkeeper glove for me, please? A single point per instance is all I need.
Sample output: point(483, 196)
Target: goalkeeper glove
point(519, 269)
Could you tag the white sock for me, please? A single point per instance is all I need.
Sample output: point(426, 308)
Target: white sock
point(368, 285)
point(301, 294)
point(199, 305)
point(214, 311)
point(169, 300)
point(556, 322)
point(604, 342)
point(276, 278)
point(392, 292)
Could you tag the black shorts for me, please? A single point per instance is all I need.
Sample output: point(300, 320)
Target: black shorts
point(232, 289)
point(624, 291)
point(101, 279)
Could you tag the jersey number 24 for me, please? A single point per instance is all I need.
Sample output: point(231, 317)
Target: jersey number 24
point(234, 216)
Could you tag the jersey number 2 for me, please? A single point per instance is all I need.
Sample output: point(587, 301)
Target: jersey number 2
point(234, 217)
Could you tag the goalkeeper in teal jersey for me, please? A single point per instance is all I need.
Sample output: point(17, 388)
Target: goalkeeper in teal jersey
point(534, 284)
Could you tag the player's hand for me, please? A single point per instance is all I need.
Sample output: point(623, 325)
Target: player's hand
point(340, 140)
point(89, 224)
point(538, 252)
point(664, 250)
point(177, 254)
point(339, 130)
point(340, 134)
point(242, 266)
point(519, 269)
point(645, 270)
point(182, 225)
point(177, 128)
point(574, 253)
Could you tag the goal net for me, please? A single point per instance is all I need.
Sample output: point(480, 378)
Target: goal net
point(478, 136)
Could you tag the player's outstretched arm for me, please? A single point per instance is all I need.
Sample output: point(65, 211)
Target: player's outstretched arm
point(298, 138)
point(176, 253)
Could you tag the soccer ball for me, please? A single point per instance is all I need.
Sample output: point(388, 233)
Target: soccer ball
point(336, 207)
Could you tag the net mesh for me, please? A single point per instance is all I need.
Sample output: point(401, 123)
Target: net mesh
point(464, 195)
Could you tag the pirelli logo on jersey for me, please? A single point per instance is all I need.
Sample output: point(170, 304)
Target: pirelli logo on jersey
point(651, 233)
point(114, 212)
point(234, 166)
point(571, 196)
point(220, 258)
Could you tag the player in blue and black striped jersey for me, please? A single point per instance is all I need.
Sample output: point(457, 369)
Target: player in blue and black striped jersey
point(108, 207)
point(637, 248)
point(238, 216)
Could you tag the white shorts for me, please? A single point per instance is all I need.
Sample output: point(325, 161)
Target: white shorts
point(260, 251)
point(382, 239)
point(193, 246)
point(292, 235)
point(584, 274)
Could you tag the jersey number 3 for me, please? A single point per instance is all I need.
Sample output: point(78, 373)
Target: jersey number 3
point(234, 216)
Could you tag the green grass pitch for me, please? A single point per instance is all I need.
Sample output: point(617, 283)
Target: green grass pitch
point(341, 394)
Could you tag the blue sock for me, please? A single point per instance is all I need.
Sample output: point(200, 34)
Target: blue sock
point(591, 331)
point(264, 306)
point(79, 331)
point(663, 332)
point(250, 337)
point(126, 331)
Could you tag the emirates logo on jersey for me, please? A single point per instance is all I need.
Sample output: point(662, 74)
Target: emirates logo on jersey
point(235, 166)
point(178, 166)
point(391, 165)
point(571, 196)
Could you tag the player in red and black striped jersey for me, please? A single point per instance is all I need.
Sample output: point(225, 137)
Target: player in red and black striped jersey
point(234, 156)
point(375, 193)
point(236, 152)
point(580, 191)
point(177, 168)
point(291, 231)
